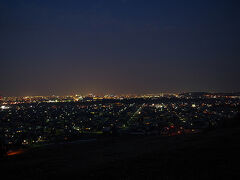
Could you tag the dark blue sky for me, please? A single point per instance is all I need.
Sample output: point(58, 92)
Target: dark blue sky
point(118, 46)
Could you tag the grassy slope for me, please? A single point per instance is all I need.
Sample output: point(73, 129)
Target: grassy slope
point(210, 154)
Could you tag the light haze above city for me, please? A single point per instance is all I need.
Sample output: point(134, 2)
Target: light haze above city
point(118, 47)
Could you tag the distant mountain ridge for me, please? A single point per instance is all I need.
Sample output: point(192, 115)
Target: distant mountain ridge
point(210, 93)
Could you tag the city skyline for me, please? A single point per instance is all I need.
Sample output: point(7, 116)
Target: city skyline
point(233, 93)
point(119, 89)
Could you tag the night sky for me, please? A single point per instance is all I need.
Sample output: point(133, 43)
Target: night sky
point(118, 46)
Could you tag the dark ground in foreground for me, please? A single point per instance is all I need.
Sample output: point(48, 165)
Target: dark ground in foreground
point(209, 155)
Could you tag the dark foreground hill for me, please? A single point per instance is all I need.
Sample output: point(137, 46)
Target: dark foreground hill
point(208, 155)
